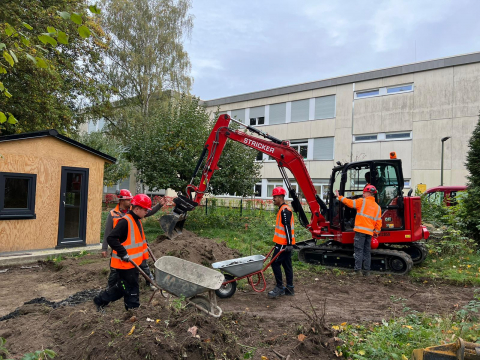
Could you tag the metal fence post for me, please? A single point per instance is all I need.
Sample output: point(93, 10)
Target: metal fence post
point(206, 206)
point(241, 206)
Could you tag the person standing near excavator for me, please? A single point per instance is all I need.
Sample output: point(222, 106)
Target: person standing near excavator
point(124, 199)
point(284, 238)
point(128, 243)
point(368, 223)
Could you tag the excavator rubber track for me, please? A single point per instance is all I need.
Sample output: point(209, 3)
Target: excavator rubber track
point(384, 261)
point(417, 250)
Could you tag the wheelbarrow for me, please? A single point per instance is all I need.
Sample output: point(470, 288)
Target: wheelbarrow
point(250, 267)
point(180, 277)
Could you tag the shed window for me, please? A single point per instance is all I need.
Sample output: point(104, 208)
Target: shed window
point(17, 200)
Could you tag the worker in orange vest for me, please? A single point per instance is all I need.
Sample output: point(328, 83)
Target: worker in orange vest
point(284, 238)
point(124, 197)
point(368, 223)
point(128, 243)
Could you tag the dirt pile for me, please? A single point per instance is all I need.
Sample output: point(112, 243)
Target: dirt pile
point(193, 248)
point(159, 332)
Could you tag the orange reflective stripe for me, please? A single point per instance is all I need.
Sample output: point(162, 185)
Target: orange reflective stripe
point(135, 246)
point(280, 236)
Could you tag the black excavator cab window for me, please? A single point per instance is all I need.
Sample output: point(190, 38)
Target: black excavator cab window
point(351, 179)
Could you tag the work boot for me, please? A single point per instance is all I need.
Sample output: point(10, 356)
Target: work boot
point(99, 304)
point(290, 290)
point(357, 273)
point(366, 273)
point(278, 291)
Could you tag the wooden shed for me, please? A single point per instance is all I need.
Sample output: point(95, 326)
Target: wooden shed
point(50, 192)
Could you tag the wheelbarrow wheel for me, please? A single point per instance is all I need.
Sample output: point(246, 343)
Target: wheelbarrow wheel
point(227, 290)
point(202, 301)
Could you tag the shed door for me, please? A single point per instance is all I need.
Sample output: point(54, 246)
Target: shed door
point(72, 222)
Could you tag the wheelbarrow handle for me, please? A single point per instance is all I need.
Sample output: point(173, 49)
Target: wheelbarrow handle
point(151, 254)
point(144, 275)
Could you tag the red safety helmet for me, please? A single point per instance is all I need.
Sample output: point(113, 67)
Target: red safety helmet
point(279, 191)
point(370, 189)
point(142, 200)
point(124, 194)
point(375, 243)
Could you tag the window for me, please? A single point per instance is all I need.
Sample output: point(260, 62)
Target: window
point(300, 110)
point(323, 148)
point(398, 89)
point(301, 147)
point(258, 189)
point(257, 115)
point(399, 136)
point(362, 94)
point(259, 156)
point(325, 107)
point(387, 184)
point(406, 183)
point(17, 200)
point(359, 138)
point(239, 115)
point(278, 114)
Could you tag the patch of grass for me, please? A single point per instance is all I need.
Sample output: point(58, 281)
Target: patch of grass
point(87, 261)
point(398, 337)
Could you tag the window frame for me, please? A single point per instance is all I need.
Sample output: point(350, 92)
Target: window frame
point(256, 120)
point(367, 91)
point(16, 214)
point(397, 133)
point(362, 141)
point(298, 143)
point(383, 91)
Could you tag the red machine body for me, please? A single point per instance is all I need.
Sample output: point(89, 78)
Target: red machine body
point(332, 235)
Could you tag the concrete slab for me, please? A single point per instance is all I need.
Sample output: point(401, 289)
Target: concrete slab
point(25, 257)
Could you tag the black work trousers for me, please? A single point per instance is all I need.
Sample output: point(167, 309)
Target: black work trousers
point(126, 287)
point(362, 244)
point(285, 260)
point(113, 277)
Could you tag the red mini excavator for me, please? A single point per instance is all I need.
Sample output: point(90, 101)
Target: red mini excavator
point(331, 223)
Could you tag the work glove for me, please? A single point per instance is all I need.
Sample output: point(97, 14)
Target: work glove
point(289, 248)
point(126, 258)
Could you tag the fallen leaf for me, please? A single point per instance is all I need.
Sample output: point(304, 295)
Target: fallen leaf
point(343, 324)
point(133, 319)
point(338, 354)
point(336, 327)
point(404, 357)
point(193, 331)
point(157, 321)
point(408, 327)
point(131, 330)
point(301, 337)
point(361, 352)
point(158, 339)
point(150, 320)
point(264, 358)
point(207, 340)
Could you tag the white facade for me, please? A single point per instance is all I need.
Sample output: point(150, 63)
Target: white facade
point(406, 109)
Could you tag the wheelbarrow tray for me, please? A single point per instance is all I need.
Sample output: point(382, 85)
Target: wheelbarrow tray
point(184, 278)
point(241, 266)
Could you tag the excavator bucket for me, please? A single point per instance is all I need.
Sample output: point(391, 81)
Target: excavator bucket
point(459, 350)
point(172, 224)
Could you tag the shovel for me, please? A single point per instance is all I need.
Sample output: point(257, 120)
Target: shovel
point(172, 224)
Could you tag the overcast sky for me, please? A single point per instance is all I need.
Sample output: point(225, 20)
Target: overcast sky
point(243, 46)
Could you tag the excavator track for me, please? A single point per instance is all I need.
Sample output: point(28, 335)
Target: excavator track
point(384, 261)
point(417, 250)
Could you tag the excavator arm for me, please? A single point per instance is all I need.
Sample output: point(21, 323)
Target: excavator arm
point(286, 158)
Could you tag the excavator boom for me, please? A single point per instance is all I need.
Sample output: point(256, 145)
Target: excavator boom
point(285, 156)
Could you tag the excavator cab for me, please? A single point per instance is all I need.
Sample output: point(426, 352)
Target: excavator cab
point(350, 179)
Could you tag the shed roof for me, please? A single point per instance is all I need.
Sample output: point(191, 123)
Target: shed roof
point(54, 133)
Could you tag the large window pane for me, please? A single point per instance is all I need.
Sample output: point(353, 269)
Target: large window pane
point(278, 114)
point(16, 193)
point(323, 148)
point(300, 110)
point(239, 115)
point(325, 107)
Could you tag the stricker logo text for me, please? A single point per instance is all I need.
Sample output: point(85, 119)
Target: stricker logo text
point(259, 145)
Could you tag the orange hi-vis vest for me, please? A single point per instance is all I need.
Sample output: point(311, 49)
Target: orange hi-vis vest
point(280, 236)
point(116, 214)
point(135, 246)
point(369, 214)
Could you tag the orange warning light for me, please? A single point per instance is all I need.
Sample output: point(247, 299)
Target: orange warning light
point(393, 155)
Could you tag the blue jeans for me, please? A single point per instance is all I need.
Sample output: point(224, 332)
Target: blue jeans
point(362, 246)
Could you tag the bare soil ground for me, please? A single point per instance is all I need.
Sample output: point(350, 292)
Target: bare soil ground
point(250, 321)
